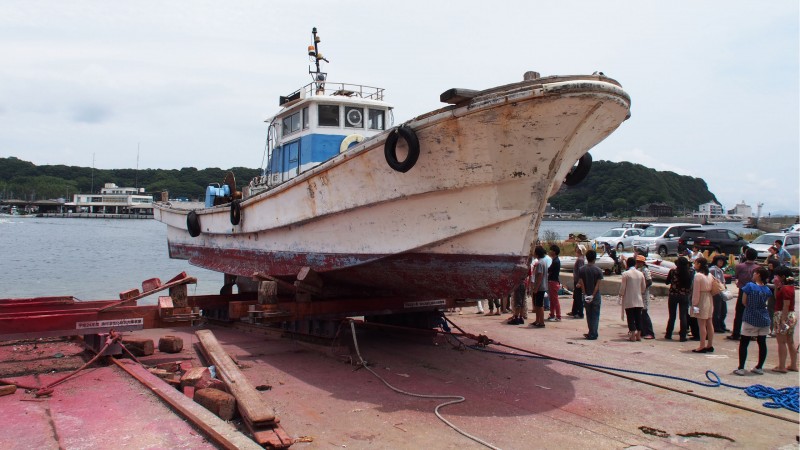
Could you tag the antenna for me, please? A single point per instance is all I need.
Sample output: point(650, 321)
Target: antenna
point(136, 183)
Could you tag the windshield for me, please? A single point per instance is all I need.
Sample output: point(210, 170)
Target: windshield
point(612, 233)
point(653, 231)
point(767, 239)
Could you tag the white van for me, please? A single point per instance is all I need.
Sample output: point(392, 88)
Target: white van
point(661, 238)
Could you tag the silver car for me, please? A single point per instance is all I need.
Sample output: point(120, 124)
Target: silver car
point(762, 243)
point(620, 238)
point(661, 238)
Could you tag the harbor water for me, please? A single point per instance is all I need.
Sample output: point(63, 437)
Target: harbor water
point(96, 259)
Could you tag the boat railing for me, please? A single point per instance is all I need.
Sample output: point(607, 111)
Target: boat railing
point(341, 89)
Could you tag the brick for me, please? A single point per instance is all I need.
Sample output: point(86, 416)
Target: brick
point(188, 391)
point(220, 403)
point(139, 346)
point(131, 293)
point(212, 383)
point(7, 390)
point(186, 365)
point(151, 284)
point(180, 295)
point(195, 375)
point(170, 344)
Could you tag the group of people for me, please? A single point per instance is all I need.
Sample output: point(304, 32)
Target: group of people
point(697, 300)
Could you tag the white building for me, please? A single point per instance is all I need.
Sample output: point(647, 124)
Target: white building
point(742, 210)
point(114, 200)
point(710, 209)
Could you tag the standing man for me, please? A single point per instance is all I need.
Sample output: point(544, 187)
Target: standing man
point(539, 286)
point(744, 274)
point(647, 323)
point(590, 277)
point(784, 258)
point(554, 284)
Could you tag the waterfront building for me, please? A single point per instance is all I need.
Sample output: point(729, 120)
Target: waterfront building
point(113, 199)
point(742, 210)
point(709, 209)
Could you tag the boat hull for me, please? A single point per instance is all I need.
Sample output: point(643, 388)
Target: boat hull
point(459, 224)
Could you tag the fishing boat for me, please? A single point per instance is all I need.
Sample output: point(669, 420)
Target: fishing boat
point(444, 205)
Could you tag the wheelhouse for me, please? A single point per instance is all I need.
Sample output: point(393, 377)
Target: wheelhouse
point(314, 126)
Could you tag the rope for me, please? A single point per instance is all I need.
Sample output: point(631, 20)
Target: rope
point(456, 398)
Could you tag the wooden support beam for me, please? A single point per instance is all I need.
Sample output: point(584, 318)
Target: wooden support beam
point(257, 416)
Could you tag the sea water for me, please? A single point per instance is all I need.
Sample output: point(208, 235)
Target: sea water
point(90, 259)
point(96, 259)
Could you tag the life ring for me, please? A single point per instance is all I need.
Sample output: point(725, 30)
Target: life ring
point(389, 149)
point(193, 224)
point(349, 140)
point(579, 172)
point(236, 212)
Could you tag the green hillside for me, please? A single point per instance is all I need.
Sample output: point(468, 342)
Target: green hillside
point(24, 180)
point(623, 187)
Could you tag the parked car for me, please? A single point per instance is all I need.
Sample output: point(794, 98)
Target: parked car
point(620, 238)
point(720, 240)
point(641, 225)
point(762, 243)
point(795, 227)
point(661, 238)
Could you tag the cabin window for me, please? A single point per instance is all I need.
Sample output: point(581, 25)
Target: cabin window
point(291, 123)
point(305, 117)
point(328, 115)
point(376, 119)
point(354, 117)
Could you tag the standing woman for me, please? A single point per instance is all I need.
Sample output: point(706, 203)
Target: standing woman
point(577, 293)
point(755, 321)
point(703, 305)
point(679, 280)
point(785, 320)
point(720, 306)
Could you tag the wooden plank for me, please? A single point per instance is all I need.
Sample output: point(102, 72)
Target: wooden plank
point(7, 389)
point(216, 429)
point(248, 399)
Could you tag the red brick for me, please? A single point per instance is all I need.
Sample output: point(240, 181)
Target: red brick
point(149, 285)
point(170, 344)
point(128, 294)
point(220, 403)
point(195, 375)
point(188, 391)
point(212, 383)
point(139, 346)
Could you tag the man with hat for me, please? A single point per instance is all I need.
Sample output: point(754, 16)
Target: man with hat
point(647, 324)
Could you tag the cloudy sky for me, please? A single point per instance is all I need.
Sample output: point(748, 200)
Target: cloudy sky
point(714, 84)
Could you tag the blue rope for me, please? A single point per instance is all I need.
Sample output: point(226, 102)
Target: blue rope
point(781, 398)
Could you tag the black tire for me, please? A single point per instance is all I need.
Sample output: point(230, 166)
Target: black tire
point(662, 251)
point(193, 224)
point(579, 172)
point(390, 150)
point(236, 212)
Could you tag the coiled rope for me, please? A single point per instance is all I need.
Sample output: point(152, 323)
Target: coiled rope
point(455, 398)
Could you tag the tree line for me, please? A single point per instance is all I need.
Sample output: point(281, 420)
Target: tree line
point(623, 187)
point(610, 187)
point(26, 181)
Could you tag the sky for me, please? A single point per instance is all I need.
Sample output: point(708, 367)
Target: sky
point(714, 84)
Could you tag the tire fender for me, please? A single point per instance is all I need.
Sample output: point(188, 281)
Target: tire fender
point(390, 148)
point(349, 140)
point(579, 172)
point(236, 212)
point(193, 224)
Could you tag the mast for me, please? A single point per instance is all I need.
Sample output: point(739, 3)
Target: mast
point(317, 75)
